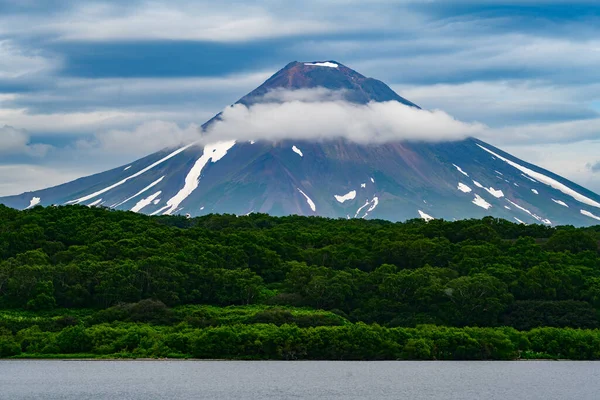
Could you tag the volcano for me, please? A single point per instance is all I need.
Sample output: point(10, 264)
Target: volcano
point(335, 178)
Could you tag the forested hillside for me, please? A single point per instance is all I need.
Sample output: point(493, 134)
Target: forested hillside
point(69, 268)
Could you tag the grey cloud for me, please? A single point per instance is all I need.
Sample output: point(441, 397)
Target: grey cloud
point(196, 97)
point(172, 20)
point(144, 139)
point(559, 132)
point(19, 178)
point(314, 95)
point(16, 62)
point(507, 103)
point(17, 141)
point(595, 167)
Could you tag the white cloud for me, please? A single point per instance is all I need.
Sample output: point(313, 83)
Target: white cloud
point(19, 178)
point(177, 20)
point(69, 123)
point(442, 54)
point(142, 140)
point(507, 102)
point(16, 141)
point(313, 118)
point(74, 106)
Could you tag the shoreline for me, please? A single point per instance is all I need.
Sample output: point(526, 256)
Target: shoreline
point(272, 360)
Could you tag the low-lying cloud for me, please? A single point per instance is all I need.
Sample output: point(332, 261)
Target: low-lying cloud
point(320, 114)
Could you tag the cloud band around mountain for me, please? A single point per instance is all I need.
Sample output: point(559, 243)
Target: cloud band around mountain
point(319, 114)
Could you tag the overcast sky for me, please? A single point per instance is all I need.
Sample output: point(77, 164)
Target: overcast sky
point(86, 86)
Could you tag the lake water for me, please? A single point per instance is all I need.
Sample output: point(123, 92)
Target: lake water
point(133, 380)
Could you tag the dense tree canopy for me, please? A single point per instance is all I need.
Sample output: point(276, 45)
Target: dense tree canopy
point(484, 273)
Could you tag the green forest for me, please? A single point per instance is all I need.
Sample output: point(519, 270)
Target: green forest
point(89, 282)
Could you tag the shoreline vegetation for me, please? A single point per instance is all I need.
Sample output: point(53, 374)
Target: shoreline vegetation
point(91, 283)
point(228, 339)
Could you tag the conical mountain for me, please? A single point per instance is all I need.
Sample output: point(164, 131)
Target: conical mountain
point(335, 178)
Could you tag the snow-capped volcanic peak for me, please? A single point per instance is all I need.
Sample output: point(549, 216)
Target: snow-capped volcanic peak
point(334, 178)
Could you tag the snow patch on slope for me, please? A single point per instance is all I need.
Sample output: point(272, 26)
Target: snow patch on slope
point(537, 217)
point(464, 188)
point(212, 152)
point(479, 201)
point(589, 214)
point(426, 217)
point(375, 202)
point(562, 203)
point(460, 170)
point(297, 151)
point(323, 64)
point(126, 168)
point(348, 196)
point(144, 202)
point(547, 180)
point(309, 201)
point(34, 202)
point(496, 193)
point(535, 191)
point(519, 221)
point(358, 211)
point(156, 182)
point(148, 168)
point(479, 185)
point(531, 179)
point(95, 203)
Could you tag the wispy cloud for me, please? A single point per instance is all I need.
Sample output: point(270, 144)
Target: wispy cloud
point(17, 62)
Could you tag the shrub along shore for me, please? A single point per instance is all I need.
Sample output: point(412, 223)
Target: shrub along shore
point(271, 333)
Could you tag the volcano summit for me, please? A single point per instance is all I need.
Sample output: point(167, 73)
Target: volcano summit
point(321, 168)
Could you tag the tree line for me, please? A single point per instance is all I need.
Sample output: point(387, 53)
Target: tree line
point(485, 273)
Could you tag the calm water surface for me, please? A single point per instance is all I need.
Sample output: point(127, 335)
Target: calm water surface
point(298, 380)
